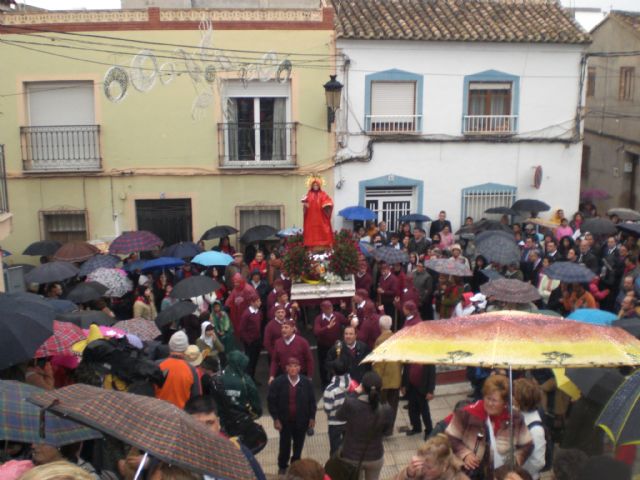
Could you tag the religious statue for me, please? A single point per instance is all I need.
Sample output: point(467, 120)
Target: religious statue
point(318, 206)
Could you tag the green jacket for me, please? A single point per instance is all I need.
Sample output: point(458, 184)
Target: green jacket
point(239, 386)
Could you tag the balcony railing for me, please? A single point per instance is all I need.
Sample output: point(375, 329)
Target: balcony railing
point(4, 194)
point(259, 145)
point(394, 123)
point(490, 124)
point(66, 148)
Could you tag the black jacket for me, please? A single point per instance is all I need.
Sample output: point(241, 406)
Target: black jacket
point(427, 381)
point(356, 370)
point(278, 400)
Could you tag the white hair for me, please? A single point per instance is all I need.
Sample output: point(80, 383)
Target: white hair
point(385, 322)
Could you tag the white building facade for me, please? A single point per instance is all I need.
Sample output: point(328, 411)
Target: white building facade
point(459, 126)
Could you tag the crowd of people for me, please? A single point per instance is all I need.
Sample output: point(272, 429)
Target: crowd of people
point(207, 363)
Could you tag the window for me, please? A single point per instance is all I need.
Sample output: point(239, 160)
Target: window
point(257, 130)
point(586, 156)
point(390, 203)
point(477, 199)
point(591, 81)
point(64, 225)
point(169, 219)
point(627, 77)
point(393, 102)
point(249, 217)
point(490, 103)
point(59, 138)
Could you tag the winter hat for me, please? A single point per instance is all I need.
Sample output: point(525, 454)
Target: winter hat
point(178, 342)
point(193, 355)
point(410, 305)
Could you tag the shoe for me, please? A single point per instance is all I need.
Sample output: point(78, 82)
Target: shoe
point(282, 471)
point(413, 432)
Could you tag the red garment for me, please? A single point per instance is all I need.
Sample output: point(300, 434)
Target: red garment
point(326, 336)
point(364, 282)
point(272, 332)
point(178, 382)
point(260, 266)
point(249, 326)
point(390, 287)
point(477, 410)
point(298, 348)
point(238, 302)
point(317, 230)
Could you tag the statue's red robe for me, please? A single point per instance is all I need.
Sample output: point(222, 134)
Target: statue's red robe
point(317, 219)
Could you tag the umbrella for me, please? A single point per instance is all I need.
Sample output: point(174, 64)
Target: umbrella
point(24, 326)
point(218, 231)
point(84, 318)
point(448, 266)
point(51, 272)
point(133, 266)
point(620, 417)
point(64, 336)
point(98, 261)
point(598, 226)
point(566, 385)
point(175, 312)
point(366, 248)
point(491, 274)
point(142, 328)
point(594, 194)
point(86, 292)
point(161, 263)
point(211, 258)
point(5, 253)
point(501, 211)
point(194, 287)
point(549, 313)
point(414, 217)
point(154, 426)
point(42, 248)
point(358, 213)
point(501, 250)
point(20, 420)
point(510, 290)
point(625, 214)
point(484, 225)
point(510, 338)
point(75, 252)
point(182, 250)
point(631, 325)
point(138, 241)
point(596, 384)
point(632, 228)
point(542, 222)
point(258, 233)
point(491, 234)
point(569, 272)
point(114, 279)
point(390, 255)
point(289, 232)
point(593, 315)
point(530, 205)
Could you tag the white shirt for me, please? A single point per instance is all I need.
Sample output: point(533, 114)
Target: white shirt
point(293, 384)
point(288, 342)
point(253, 310)
point(535, 462)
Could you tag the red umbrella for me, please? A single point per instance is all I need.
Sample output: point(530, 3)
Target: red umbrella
point(142, 328)
point(64, 335)
point(75, 252)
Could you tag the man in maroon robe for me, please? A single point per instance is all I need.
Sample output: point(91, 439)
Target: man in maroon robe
point(291, 345)
point(327, 328)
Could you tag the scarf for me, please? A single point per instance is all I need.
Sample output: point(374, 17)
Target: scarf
point(477, 410)
point(207, 340)
point(143, 300)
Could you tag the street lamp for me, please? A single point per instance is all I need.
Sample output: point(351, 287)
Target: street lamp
point(333, 92)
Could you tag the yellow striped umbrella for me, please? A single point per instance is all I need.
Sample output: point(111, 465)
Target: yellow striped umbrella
point(510, 338)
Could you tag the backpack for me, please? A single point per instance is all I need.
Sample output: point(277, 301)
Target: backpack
point(548, 453)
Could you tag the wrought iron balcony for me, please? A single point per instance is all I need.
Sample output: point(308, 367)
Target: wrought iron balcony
point(67, 148)
point(490, 124)
point(394, 123)
point(4, 195)
point(259, 145)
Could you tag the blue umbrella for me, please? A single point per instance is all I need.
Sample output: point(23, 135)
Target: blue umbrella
point(161, 262)
point(6, 253)
point(182, 250)
point(211, 258)
point(414, 217)
point(62, 306)
point(289, 232)
point(593, 315)
point(98, 261)
point(133, 266)
point(357, 213)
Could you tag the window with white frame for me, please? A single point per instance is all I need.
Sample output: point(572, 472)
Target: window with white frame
point(393, 107)
point(390, 203)
point(489, 107)
point(257, 130)
point(64, 225)
point(477, 199)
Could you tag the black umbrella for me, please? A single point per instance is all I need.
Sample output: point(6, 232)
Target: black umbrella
point(632, 228)
point(625, 214)
point(569, 272)
point(631, 325)
point(257, 233)
point(598, 226)
point(24, 326)
point(182, 250)
point(51, 272)
point(218, 231)
point(42, 248)
point(175, 312)
point(501, 211)
point(596, 384)
point(620, 417)
point(500, 249)
point(530, 205)
point(491, 234)
point(414, 217)
point(482, 226)
point(84, 318)
point(86, 292)
point(194, 287)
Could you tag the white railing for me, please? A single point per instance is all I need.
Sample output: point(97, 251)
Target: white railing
point(61, 148)
point(394, 123)
point(483, 124)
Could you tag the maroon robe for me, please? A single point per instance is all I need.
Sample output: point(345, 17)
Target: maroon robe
point(298, 348)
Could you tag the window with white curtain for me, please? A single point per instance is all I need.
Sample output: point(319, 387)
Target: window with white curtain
point(64, 225)
point(393, 107)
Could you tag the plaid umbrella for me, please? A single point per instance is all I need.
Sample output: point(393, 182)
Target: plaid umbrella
point(211, 258)
point(390, 255)
point(42, 248)
point(86, 292)
point(75, 252)
point(625, 214)
point(51, 272)
point(598, 226)
point(182, 250)
point(84, 318)
point(20, 420)
point(114, 279)
point(218, 231)
point(98, 261)
point(142, 328)
point(138, 241)
point(257, 233)
point(175, 312)
point(569, 272)
point(500, 250)
point(194, 287)
point(510, 290)
point(632, 228)
point(151, 425)
point(64, 335)
point(620, 418)
point(448, 266)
